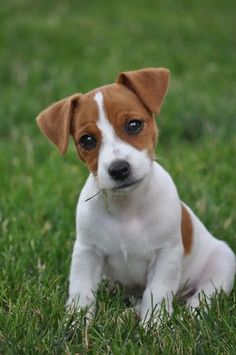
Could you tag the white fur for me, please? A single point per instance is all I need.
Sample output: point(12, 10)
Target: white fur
point(114, 148)
point(135, 237)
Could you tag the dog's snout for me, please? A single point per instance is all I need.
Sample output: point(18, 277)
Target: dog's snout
point(119, 170)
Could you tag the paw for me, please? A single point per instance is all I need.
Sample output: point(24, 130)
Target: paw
point(77, 303)
point(199, 303)
point(193, 303)
point(72, 304)
point(155, 316)
point(151, 319)
point(137, 308)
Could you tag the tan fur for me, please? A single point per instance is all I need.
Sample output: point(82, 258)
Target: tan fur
point(122, 105)
point(149, 84)
point(84, 122)
point(186, 230)
point(55, 121)
point(136, 95)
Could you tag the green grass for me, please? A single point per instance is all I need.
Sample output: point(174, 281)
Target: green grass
point(51, 49)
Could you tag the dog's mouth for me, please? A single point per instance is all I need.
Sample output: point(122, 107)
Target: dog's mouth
point(127, 186)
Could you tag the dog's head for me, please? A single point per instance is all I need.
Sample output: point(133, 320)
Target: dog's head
point(113, 126)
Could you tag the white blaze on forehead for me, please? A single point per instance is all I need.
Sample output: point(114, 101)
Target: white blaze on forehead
point(113, 148)
point(108, 133)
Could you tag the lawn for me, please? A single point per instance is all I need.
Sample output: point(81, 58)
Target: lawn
point(51, 49)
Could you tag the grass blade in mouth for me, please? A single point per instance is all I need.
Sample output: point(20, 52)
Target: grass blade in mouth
point(89, 198)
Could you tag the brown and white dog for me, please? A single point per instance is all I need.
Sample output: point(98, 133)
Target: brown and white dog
point(131, 223)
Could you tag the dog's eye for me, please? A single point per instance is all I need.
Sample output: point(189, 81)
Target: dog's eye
point(88, 141)
point(134, 126)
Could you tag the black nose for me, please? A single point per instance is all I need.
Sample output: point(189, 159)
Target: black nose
point(119, 170)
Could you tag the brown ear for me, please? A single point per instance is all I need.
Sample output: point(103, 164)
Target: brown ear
point(150, 85)
point(55, 121)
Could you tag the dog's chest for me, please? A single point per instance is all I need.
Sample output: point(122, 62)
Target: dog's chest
point(128, 249)
point(123, 234)
point(125, 240)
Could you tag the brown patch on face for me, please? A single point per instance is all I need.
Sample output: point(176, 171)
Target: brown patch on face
point(186, 230)
point(84, 122)
point(135, 95)
point(55, 121)
point(122, 105)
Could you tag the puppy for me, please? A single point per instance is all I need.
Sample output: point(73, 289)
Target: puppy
point(131, 224)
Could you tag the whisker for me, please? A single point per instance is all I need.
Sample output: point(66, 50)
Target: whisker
point(158, 157)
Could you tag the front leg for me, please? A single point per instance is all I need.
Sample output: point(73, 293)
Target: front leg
point(163, 282)
point(85, 276)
